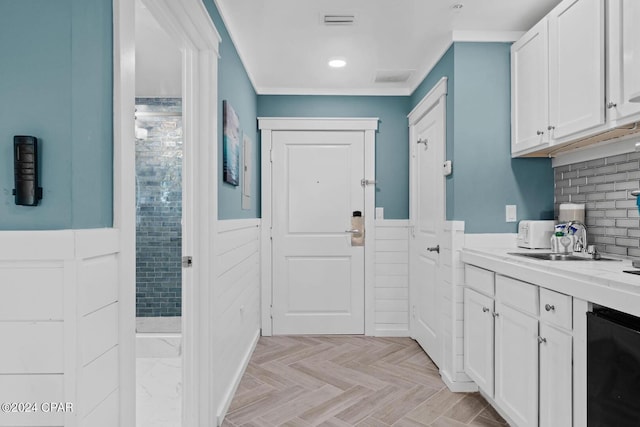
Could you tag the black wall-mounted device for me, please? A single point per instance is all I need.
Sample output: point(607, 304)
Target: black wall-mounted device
point(25, 170)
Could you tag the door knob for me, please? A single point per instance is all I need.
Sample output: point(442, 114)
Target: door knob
point(540, 132)
point(434, 249)
point(485, 309)
point(549, 307)
point(542, 340)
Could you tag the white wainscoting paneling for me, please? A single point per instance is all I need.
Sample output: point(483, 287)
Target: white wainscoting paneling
point(392, 278)
point(236, 293)
point(58, 317)
point(452, 285)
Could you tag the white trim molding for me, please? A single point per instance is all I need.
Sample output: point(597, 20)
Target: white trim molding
point(124, 202)
point(369, 126)
point(597, 151)
point(189, 23)
point(428, 102)
point(318, 123)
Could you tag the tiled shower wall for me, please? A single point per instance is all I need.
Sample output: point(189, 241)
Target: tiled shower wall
point(611, 213)
point(158, 207)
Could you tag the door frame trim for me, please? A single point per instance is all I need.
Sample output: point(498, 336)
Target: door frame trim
point(189, 22)
point(367, 125)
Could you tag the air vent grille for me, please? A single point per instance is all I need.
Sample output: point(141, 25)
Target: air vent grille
point(393, 76)
point(336, 19)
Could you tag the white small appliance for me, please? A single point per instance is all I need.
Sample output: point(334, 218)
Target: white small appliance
point(535, 234)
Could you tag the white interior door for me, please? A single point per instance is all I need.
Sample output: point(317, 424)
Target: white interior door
point(427, 215)
point(318, 276)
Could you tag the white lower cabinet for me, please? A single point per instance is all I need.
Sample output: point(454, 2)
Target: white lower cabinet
point(478, 345)
point(518, 348)
point(555, 377)
point(516, 358)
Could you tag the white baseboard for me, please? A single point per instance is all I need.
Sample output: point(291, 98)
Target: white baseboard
point(231, 391)
point(458, 387)
point(397, 333)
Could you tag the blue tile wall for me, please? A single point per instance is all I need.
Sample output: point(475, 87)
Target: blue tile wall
point(158, 207)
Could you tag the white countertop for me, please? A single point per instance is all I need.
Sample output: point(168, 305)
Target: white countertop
point(600, 282)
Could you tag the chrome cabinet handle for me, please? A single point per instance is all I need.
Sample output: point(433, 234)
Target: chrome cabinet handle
point(434, 249)
point(611, 105)
point(495, 314)
point(550, 127)
point(540, 132)
point(485, 309)
point(549, 307)
point(352, 231)
point(542, 340)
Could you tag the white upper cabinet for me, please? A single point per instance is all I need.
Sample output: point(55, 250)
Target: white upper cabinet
point(530, 90)
point(576, 67)
point(623, 58)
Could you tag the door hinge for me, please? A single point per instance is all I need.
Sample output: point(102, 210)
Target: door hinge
point(413, 312)
point(271, 155)
point(271, 311)
point(271, 233)
point(187, 261)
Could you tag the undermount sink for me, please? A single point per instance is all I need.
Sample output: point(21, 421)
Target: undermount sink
point(548, 256)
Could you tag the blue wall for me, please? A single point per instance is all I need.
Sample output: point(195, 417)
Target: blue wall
point(485, 178)
point(392, 148)
point(235, 87)
point(56, 84)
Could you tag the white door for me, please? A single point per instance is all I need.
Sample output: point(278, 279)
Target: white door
point(516, 369)
point(576, 67)
point(624, 58)
point(530, 89)
point(556, 380)
point(427, 217)
point(478, 339)
point(318, 275)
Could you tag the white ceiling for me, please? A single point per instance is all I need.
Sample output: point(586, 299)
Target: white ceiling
point(285, 46)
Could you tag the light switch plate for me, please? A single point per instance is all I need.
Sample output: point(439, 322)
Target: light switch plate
point(379, 213)
point(511, 213)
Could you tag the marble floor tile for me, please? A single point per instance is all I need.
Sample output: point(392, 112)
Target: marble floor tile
point(158, 392)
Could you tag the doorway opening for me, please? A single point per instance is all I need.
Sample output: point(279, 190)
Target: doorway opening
point(159, 197)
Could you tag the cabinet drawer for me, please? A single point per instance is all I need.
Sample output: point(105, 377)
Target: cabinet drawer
point(480, 279)
point(556, 308)
point(517, 294)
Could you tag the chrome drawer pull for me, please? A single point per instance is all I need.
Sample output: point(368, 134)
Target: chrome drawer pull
point(485, 309)
point(542, 340)
point(550, 307)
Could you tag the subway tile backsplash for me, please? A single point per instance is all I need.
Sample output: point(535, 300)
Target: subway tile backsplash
point(603, 185)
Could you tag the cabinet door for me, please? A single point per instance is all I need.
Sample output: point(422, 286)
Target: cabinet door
point(555, 377)
point(478, 339)
point(516, 376)
point(624, 58)
point(530, 90)
point(576, 67)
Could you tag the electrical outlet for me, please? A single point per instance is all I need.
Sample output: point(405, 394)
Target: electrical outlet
point(511, 213)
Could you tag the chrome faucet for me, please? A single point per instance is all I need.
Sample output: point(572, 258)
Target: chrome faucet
point(581, 244)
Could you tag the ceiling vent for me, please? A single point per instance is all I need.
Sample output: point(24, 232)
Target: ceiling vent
point(336, 19)
point(393, 76)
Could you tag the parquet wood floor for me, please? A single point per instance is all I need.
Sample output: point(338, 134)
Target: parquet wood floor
point(350, 381)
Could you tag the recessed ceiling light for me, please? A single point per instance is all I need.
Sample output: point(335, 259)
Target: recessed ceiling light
point(337, 62)
point(457, 6)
